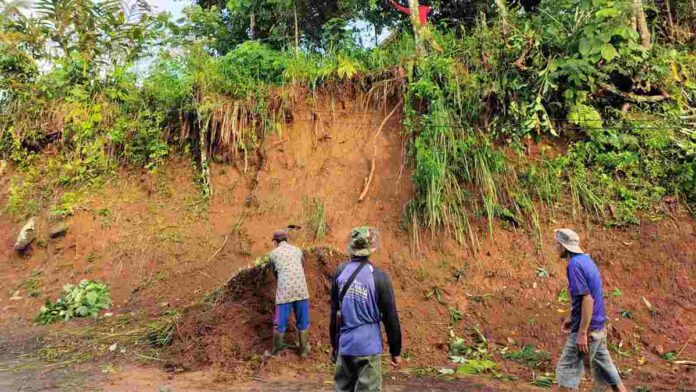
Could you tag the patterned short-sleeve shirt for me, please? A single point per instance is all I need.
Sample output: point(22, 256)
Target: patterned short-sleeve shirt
point(287, 262)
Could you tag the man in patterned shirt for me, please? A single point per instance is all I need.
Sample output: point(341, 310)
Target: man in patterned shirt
point(291, 292)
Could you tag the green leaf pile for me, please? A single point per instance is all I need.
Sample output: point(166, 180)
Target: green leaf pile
point(476, 366)
point(544, 381)
point(528, 356)
point(84, 300)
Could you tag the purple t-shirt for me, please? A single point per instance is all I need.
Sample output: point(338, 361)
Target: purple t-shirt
point(583, 279)
point(368, 302)
point(360, 332)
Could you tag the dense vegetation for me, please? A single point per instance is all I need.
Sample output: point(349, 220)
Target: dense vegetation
point(509, 107)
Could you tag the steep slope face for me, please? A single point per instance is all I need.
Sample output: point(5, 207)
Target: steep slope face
point(159, 245)
point(325, 156)
point(154, 239)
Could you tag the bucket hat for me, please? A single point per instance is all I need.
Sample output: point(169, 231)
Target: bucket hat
point(363, 241)
point(569, 239)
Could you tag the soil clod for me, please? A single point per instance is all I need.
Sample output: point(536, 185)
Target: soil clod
point(26, 236)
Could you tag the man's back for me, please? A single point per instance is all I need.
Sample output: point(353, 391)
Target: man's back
point(368, 301)
point(287, 262)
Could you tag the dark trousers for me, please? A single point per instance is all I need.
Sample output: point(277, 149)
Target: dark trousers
point(358, 374)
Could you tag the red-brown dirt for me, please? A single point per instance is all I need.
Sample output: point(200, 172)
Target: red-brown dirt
point(245, 306)
point(160, 246)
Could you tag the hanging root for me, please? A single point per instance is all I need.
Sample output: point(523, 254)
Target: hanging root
point(368, 181)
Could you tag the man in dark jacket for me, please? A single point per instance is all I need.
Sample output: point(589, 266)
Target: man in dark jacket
point(356, 337)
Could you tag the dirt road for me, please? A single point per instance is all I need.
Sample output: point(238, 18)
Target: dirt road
point(34, 376)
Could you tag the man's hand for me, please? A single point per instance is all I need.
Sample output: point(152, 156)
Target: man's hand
point(396, 361)
point(582, 342)
point(565, 328)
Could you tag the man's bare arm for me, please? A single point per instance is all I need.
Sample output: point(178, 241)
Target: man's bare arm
point(585, 318)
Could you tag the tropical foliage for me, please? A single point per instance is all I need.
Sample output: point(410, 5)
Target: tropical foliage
point(511, 109)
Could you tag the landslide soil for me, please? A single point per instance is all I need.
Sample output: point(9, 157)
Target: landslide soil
point(160, 247)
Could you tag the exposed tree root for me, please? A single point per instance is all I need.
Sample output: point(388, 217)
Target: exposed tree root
point(368, 181)
point(633, 97)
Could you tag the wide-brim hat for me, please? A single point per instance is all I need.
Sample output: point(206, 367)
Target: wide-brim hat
point(569, 239)
point(363, 241)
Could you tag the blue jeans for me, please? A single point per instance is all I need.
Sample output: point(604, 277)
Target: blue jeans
point(282, 315)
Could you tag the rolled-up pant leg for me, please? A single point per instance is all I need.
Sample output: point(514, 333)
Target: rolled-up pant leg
point(301, 309)
point(570, 366)
point(603, 368)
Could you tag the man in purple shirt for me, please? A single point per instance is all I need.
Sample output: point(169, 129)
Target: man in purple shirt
point(361, 298)
point(587, 339)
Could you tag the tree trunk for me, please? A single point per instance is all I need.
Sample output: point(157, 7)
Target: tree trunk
point(297, 32)
point(642, 23)
point(502, 9)
point(668, 10)
point(252, 25)
point(670, 20)
point(417, 28)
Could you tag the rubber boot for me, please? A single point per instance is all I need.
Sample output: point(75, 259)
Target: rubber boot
point(305, 347)
point(277, 342)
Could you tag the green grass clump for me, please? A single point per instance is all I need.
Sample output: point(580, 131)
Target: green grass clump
point(315, 217)
point(32, 283)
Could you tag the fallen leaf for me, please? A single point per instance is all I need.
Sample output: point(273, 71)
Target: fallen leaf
point(474, 366)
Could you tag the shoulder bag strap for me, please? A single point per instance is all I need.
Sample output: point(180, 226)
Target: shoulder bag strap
point(349, 282)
